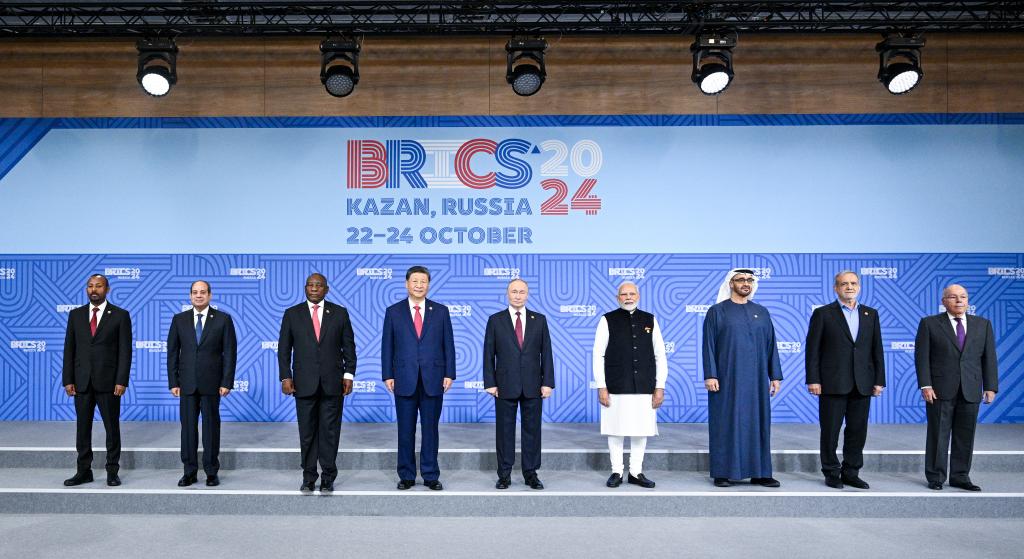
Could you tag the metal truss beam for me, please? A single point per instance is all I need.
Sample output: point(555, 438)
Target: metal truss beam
point(209, 17)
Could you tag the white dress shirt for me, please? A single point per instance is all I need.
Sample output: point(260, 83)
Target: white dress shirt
point(522, 316)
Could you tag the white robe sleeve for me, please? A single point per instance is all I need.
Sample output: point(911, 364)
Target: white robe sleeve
point(660, 358)
point(600, 345)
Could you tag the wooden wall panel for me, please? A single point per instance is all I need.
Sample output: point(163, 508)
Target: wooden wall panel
point(601, 75)
point(21, 79)
point(97, 78)
point(986, 73)
point(466, 75)
point(411, 76)
point(837, 74)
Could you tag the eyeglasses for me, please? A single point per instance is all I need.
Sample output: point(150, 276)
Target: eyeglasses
point(744, 280)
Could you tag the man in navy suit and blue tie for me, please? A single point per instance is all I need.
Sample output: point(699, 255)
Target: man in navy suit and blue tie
point(417, 355)
point(955, 358)
point(201, 353)
point(519, 372)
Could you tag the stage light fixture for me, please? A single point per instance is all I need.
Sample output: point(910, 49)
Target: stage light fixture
point(339, 66)
point(712, 62)
point(899, 62)
point(157, 69)
point(525, 70)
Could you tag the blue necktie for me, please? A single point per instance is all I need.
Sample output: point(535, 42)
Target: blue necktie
point(199, 329)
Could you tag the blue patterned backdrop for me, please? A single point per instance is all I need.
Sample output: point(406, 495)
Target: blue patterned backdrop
point(36, 293)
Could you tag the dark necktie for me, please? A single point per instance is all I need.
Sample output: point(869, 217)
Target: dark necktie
point(519, 330)
point(93, 322)
point(199, 328)
point(961, 334)
point(417, 321)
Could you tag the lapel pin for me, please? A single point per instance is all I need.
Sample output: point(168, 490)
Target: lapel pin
point(865, 313)
point(430, 308)
point(532, 316)
point(328, 311)
point(755, 316)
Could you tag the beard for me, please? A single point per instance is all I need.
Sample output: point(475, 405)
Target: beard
point(628, 306)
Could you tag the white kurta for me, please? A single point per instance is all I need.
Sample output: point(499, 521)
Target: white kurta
point(629, 415)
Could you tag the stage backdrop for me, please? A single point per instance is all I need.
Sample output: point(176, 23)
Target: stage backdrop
point(573, 205)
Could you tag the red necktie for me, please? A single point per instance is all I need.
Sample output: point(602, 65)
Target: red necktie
point(316, 323)
point(417, 321)
point(519, 330)
point(92, 323)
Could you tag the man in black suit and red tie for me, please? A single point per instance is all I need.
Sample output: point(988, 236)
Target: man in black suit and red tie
point(316, 355)
point(97, 362)
point(955, 357)
point(519, 372)
point(845, 367)
point(201, 350)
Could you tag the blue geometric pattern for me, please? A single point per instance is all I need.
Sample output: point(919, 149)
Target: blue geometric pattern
point(36, 293)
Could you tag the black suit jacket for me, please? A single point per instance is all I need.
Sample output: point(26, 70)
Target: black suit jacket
point(309, 363)
point(518, 372)
point(835, 360)
point(207, 366)
point(941, 365)
point(100, 361)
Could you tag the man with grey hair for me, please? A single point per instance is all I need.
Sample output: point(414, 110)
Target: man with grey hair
point(845, 367)
point(630, 371)
point(955, 357)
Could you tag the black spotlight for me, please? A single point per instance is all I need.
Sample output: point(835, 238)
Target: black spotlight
point(712, 62)
point(157, 71)
point(339, 79)
point(899, 62)
point(525, 69)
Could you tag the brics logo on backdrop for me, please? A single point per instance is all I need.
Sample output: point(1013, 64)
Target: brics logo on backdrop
point(124, 273)
point(509, 164)
point(7, 273)
point(29, 346)
point(375, 273)
point(249, 273)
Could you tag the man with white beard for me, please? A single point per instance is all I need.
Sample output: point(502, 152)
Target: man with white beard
point(630, 371)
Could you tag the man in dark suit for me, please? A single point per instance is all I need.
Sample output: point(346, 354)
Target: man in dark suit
point(417, 355)
point(955, 355)
point(201, 349)
point(519, 372)
point(845, 367)
point(316, 355)
point(97, 362)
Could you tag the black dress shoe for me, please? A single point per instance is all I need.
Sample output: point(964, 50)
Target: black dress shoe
point(307, 487)
point(212, 481)
point(113, 480)
point(935, 485)
point(965, 485)
point(326, 486)
point(855, 481)
point(186, 480)
point(834, 482)
point(534, 483)
point(434, 484)
point(502, 483)
point(79, 479)
point(406, 484)
point(722, 482)
point(640, 480)
point(765, 481)
point(614, 480)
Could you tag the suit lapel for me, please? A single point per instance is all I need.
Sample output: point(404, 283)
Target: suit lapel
point(107, 312)
point(840, 318)
point(972, 330)
point(206, 325)
point(863, 321)
point(406, 316)
point(326, 320)
point(946, 326)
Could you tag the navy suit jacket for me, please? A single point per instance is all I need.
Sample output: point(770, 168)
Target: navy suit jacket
point(835, 360)
point(203, 367)
point(405, 358)
point(99, 361)
point(311, 363)
point(943, 366)
point(518, 372)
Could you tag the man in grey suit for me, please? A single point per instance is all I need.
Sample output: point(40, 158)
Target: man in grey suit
point(955, 356)
point(519, 372)
point(201, 354)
